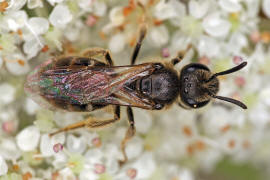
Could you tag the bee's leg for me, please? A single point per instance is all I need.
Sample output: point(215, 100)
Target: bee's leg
point(180, 55)
point(142, 34)
point(129, 134)
point(99, 52)
point(91, 123)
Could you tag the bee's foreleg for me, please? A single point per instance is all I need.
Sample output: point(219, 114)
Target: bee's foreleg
point(99, 52)
point(129, 134)
point(137, 48)
point(180, 55)
point(91, 123)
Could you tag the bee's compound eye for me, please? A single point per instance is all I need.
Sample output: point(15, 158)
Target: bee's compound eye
point(159, 106)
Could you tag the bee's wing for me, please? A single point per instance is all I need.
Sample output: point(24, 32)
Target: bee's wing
point(127, 97)
point(78, 86)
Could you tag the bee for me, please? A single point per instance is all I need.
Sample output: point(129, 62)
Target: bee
point(91, 81)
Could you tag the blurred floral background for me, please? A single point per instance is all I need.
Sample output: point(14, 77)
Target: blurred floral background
point(220, 141)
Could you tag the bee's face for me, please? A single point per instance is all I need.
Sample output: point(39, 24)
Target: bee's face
point(195, 89)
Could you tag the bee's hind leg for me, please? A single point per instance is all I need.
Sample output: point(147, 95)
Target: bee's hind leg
point(98, 52)
point(91, 123)
point(129, 134)
point(180, 55)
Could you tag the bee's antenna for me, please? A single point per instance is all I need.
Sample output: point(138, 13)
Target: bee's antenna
point(234, 101)
point(232, 70)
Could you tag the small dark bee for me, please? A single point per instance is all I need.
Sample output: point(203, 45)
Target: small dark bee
point(89, 82)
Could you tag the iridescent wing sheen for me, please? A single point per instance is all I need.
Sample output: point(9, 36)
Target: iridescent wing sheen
point(81, 85)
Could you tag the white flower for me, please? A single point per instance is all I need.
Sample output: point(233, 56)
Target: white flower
point(198, 9)
point(208, 46)
point(116, 16)
point(28, 138)
point(60, 16)
point(216, 26)
point(31, 107)
point(7, 93)
point(186, 174)
point(16, 20)
point(99, 8)
point(66, 173)
point(165, 10)
point(117, 43)
point(266, 7)
point(158, 36)
point(230, 5)
point(9, 149)
point(3, 166)
point(17, 64)
point(39, 25)
point(1, 61)
point(134, 147)
point(76, 144)
point(31, 4)
point(145, 166)
point(31, 47)
point(15, 5)
point(53, 2)
point(47, 143)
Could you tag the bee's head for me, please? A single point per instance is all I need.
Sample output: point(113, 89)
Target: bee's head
point(198, 85)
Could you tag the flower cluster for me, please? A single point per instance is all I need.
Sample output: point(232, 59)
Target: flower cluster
point(174, 144)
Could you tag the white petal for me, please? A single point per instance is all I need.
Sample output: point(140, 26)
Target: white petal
point(47, 143)
point(28, 138)
point(198, 8)
point(76, 144)
point(16, 5)
point(7, 93)
point(66, 173)
point(145, 166)
point(31, 47)
point(99, 8)
point(86, 5)
point(31, 4)
point(17, 68)
point(117, 43)
point(215, 26)
point(52, 2)
point(3, 166)
point(1, 62)
point(73, 31)
point(9, 150)
point(158, 36)
point(165, 10)
point(88, 175)
point(230, 5)
point(134, 148)
point(186, 174)
point(16, 20)
point(207, 43)
point(30, 106)
point(266, 7)
point(60, 16)
point(116, 16)
point(39, 25)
